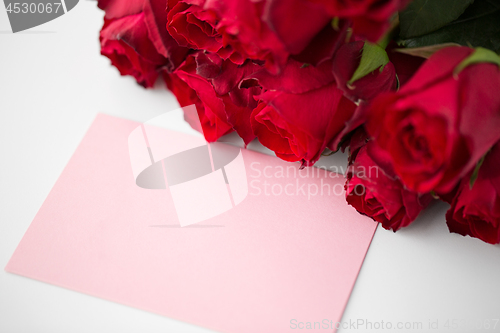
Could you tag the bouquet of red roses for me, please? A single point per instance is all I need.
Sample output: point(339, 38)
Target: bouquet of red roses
point(412, 88)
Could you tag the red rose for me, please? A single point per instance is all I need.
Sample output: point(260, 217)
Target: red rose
point(370, 18)
point(268, 30)
point(141, 60)
point(373, 193)
point(476, 211)
point(217, 89)
point(134, 38)
point(194, 27)
point(436, 128)
point(301, 112)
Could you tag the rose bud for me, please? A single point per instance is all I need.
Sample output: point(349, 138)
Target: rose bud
point(375, 194)
point(370, 18)
point(223, 101)
point(134, 39)
point(391, 76)
point(346, 62)
point(434, 130)
point(475, 211)
point(301, 112)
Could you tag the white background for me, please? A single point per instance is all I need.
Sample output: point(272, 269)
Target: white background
point(53, 82)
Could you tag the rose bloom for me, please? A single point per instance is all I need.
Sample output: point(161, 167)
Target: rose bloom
point(301, 112)
point(375, 194)
point(263, 30)
point(435, 129)
point(370, 18)
point(476, 211)
point(134, 38)
point(216, 87)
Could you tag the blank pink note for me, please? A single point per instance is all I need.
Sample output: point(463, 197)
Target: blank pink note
point(272, 259)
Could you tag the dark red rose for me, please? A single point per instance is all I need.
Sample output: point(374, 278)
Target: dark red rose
point(134, 38)
point(476, 211)
point(436, 128)
point(301, 112)
point(374, 193)
point(223, 99)
point(370, 18)
point(267, 30)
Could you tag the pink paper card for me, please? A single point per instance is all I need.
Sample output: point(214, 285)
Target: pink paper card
point(282, 247)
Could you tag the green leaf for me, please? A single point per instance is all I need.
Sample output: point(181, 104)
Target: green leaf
point(373, 57)
point(423, 16)
point(425, 51)
point(478, 26)
point(475, 173)
point(480, 55)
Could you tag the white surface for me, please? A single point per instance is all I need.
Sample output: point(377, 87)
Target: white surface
point(53, 82)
